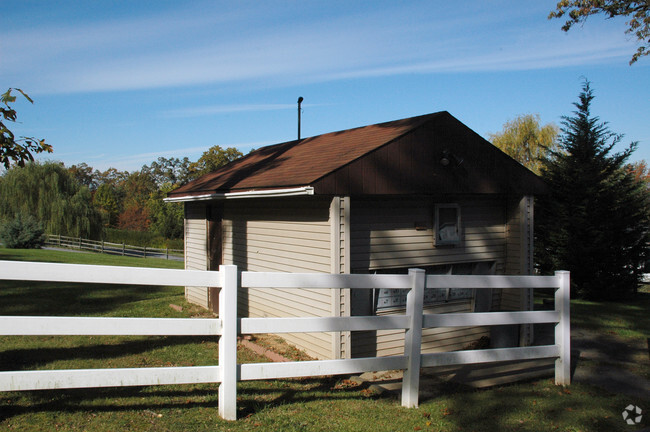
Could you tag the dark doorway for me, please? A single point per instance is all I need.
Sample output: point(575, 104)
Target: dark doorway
point(214, 218)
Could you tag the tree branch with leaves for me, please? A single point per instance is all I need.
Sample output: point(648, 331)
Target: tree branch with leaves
point(15, 150)
point(638, 12)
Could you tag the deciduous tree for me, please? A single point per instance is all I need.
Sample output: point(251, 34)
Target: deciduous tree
point(638, 12)
point(107, 201)
point(85, 175)
point(526, 141)
point(12, 149)
point(174, 171)
point(640, 171)
point(137, 189)
point(112, 176)
point(49, 193)
point(214, 158)
point(166, 218)
point(134, 218)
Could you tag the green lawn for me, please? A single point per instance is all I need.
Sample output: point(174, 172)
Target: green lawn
point(76, 257)
point(328, 404)
point(629, 319)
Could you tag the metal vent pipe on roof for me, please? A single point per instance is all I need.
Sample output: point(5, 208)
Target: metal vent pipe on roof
point(300, 99)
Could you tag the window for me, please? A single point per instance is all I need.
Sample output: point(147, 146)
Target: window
point(386, 299)
point(447, 225)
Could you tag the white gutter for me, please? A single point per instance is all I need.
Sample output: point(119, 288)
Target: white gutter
point(269, 193)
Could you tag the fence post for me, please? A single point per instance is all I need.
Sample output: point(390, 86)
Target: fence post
point(145, 251)
point(167, 253)
point(123, 248)
point(79, 243)
point(413, 339)
point(102, 246)
point(563, 329)
point(228, 342)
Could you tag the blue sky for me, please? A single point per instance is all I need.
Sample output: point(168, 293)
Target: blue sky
point(120, 83)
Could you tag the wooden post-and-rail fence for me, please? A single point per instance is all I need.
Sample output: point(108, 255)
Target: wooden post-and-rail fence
point(111, 248)
point(228, 326)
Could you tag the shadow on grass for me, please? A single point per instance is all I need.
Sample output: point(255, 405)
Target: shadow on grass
point(253, 397)
point(28, 358)
point(68, 299)
point(118, 399)
point(264, 395)
point(530, 407)
point(630, 315)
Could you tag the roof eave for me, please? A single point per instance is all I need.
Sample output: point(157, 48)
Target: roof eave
point(264, 193)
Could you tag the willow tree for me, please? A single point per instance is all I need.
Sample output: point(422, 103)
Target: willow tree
point(526, 141)
point(48, 192)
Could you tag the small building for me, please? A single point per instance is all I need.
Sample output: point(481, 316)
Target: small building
point(423, 192)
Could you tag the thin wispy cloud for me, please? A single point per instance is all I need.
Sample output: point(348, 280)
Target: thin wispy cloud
point(172, 50)
point(511, 60)
point(135, 161)
point(210, 110)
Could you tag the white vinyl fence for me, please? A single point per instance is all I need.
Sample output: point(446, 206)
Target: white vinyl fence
point(226, 370)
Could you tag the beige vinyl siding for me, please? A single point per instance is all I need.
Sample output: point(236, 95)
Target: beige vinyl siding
point(196, 257)
point(391, 342)
point(399, 234)
point(282, 235)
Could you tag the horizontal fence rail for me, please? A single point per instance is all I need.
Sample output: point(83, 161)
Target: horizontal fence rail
point(117, 377)
point(229, 326)
point(257, 371)
point(83, 273)
point(112, 248)
point(329, 324)
point(489, 318)
point(489, 355)
point(90, 326)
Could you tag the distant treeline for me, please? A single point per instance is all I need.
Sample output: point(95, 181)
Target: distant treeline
point(113, 205)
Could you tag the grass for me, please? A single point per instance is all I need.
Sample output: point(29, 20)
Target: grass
point(325, 404)
point(75, 257)
point(629, 319)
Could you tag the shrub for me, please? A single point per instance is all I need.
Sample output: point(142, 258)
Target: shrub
point(22, 232)
point(141, 238)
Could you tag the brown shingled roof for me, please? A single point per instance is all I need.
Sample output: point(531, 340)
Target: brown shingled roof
point(300, 163)
point(401, 157)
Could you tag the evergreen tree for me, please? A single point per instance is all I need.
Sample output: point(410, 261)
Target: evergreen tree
point(594, 221)
point(49, 193)
point(22, 232)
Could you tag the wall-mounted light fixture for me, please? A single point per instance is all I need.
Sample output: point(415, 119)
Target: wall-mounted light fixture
point(444, 160)
point(447, 159)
